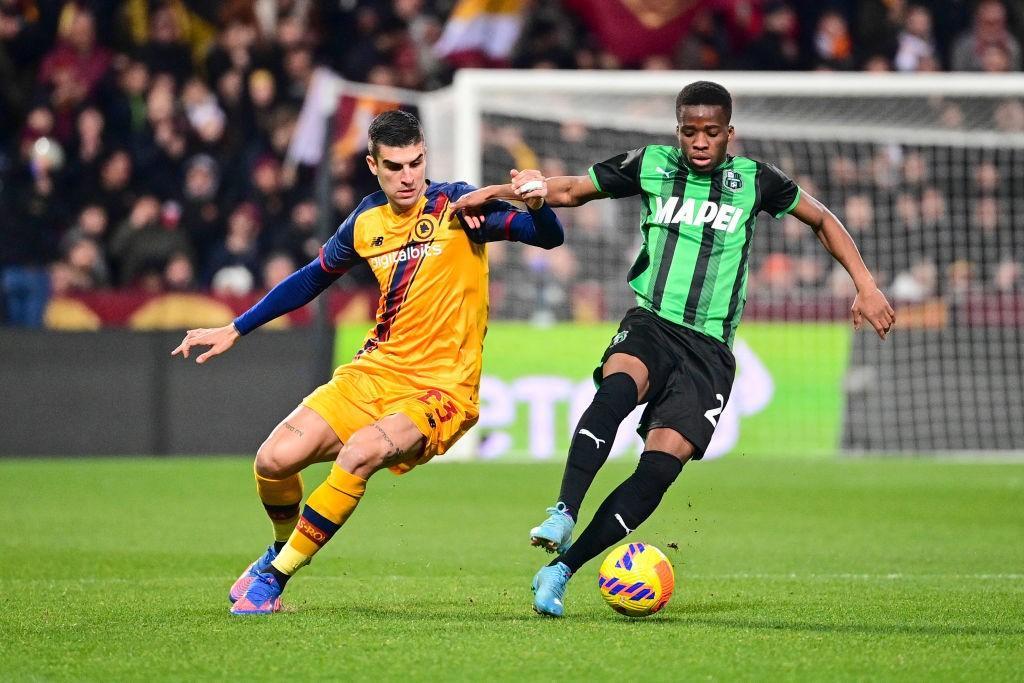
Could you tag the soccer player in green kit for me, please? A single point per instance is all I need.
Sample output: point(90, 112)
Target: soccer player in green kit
point(673, 351)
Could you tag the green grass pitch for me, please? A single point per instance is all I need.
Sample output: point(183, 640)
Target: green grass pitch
point(838, 570)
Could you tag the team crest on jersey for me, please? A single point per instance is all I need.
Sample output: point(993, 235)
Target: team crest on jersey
point(424, 229)
point(620, 337)
point(733, 181)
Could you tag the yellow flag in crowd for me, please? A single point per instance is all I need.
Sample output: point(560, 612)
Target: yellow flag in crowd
point(481, 32)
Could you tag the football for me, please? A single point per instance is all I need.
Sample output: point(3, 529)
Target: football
point(636, 579)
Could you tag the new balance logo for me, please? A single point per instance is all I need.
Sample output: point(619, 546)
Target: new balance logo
point(725, 217)
point(378, 241)
point(597, 441)
point(713, 413)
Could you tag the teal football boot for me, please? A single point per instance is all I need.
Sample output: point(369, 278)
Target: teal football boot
point(555, 533)
point(549, 588)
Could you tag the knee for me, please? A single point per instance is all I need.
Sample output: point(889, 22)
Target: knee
point(619, 393)
point(660, 469)
point(670, 442)
point(360, 457)
point(685, 452)
point(274, 461)
point(632, 366)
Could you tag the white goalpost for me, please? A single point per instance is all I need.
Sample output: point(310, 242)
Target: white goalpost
point(842, 106)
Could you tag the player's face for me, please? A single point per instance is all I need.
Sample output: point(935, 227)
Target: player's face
point(704, 134)
point(402, 174)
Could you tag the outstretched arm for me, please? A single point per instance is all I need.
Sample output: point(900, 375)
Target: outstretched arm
point(295, 291)
point(565, 190)
point(870, 303)
point(498, 220)
point(616, 177)
point(561, 191)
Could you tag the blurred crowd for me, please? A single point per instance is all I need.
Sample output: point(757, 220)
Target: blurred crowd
point(866, 35)
point(143, 143)
point(930, 221)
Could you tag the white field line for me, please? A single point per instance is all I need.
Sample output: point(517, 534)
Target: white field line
point(856, 577)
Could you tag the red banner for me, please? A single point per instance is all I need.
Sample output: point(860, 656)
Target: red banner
point(633, 30)
point(178, 311)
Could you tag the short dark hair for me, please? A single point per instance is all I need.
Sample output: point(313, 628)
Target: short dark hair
point(705, 92)
point(395, 128)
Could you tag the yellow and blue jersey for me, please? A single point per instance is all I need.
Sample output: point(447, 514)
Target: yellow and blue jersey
point(433, 277)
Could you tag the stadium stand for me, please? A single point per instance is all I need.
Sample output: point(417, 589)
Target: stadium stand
point(143, 142)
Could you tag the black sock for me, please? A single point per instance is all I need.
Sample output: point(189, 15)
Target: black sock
point(625, 508)
point(281, 577)
point(594, 435)
point(278, 545)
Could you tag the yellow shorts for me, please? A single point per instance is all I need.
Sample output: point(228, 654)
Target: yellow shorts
point(357, 397)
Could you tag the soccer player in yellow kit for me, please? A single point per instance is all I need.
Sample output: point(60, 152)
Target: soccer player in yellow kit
point(413, 388)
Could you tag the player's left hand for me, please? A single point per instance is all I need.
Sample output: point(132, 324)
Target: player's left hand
point(872, 306)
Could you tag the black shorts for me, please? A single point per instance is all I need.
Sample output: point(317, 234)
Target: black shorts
point(690, 374)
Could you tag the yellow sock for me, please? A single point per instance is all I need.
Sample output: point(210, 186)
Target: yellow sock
point(281, 499)
point(328, 507)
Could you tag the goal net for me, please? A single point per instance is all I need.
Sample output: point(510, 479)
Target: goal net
point(927, 173)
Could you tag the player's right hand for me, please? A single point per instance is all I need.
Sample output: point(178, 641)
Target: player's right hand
point(520, 178)
point(872, 306)
point(530, 186)
point(219, 339)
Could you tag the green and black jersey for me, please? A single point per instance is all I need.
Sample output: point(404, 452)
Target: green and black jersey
point(692, 268)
